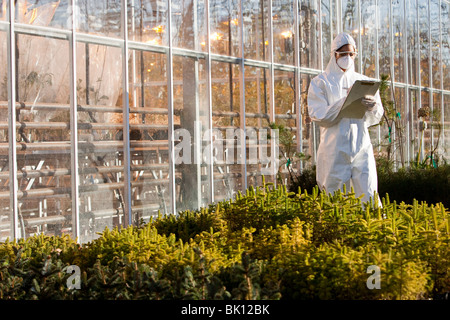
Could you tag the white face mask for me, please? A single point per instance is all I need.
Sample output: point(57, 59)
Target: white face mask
point(345, 62)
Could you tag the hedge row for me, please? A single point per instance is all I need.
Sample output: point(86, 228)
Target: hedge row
point(407, 184)
point(265, 244)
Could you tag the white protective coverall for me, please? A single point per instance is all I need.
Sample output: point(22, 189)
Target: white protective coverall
point(345, 151)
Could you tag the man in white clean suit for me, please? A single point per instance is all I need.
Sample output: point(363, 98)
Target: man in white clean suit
point(345, 153)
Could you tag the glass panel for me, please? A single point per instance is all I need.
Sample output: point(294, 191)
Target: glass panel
point(424, 44)
point(435, 44)
point(4, 7)
point(350, 16)
point(445, 29)
point(327, 31)
point(424, 135)
point(436, 122)
point(335, 6)
point(283, 32)
point(147, 22)
point(284, 98)
point(414, 125)
point(257, 123)
point(101, 17)
point(46, 13)
point(189, 24)
point(43, 145)
point(412, 41)
point(100, 138)
point(256, 30)
point(149, 135)
point(5, 221)
point(384, 37)
point(400, 135)
point(285, 115)
point(224, 27)
point(310, 129)
point(398, 44)
point(3, 66)
point(447, 127)
point(350, 24)
point(228, 167)
point(306, 120)
point(256, 97)
point(192, 165)
point(367, 49)
point(309, 42)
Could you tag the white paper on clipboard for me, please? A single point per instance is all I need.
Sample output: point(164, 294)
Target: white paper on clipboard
point(352, 107)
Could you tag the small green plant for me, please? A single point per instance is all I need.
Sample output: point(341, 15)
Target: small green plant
point(287, 152)
point(392, 118)
point(432, 157)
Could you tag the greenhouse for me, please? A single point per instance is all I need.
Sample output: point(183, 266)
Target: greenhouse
point(116, 110)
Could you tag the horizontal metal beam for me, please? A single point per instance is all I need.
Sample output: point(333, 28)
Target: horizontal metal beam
point(81, 126)
point(94, 146)
point(58, 219)
point(48, 192)
point(58, 172)
point(40, 31)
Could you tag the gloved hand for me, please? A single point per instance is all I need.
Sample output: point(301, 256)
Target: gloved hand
point(369, 102)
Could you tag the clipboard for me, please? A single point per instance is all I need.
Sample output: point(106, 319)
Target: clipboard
point(352, 107)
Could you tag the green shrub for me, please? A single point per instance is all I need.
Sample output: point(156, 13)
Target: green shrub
point(431, 185)
point(306, 180)
point(267, 243)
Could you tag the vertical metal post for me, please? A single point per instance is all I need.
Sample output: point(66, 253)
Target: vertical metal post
point(297, 79)
point(360, 38)
point(411, 102)
point(391, 49)
point(170, 110)
point(243, 145)
point(330, 6)
point(271, 71)
point(417, 33)
point(418, 68)
point(273, 145)
point(133, 55)
point(391, 44)
point(75, 178)
point(405, 73)
point(209, 98)
point(258, 72)
point(321, 35)
point(197, 139)
point(441, 70)
point(377, 64)
point(430, 72)
point(230, 65)
point(339, 20)
point(12, 135)
point(127, 212)
point(377, 54)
